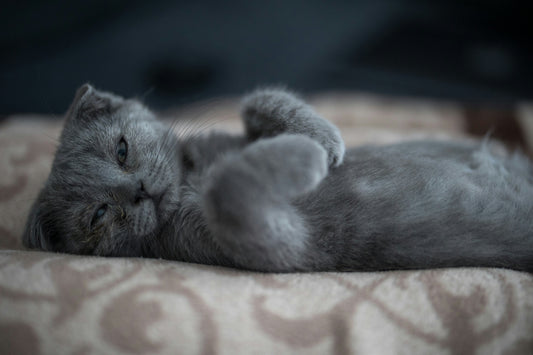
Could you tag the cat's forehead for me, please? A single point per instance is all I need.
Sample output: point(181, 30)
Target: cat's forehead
point(136, 125)
point(130, 113)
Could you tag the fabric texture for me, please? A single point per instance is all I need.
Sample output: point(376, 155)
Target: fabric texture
point(67, 304)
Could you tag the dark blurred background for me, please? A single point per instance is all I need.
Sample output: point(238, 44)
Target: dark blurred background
point(173, 52)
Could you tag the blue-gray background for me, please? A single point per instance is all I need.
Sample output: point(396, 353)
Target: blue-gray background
point(173, 52)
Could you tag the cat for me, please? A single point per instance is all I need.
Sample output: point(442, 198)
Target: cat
point(285, 196)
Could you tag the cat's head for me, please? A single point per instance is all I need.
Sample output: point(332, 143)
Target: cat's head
point(114, 181)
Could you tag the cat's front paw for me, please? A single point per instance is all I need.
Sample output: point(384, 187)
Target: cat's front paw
point(330, 138)
point(269, 112)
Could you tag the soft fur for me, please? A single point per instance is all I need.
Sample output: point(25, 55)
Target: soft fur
point(283, 197)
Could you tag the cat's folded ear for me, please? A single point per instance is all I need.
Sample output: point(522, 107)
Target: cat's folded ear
point(90, 103)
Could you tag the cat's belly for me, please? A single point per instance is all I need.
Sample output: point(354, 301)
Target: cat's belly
point(419, 178)
point(399, 203)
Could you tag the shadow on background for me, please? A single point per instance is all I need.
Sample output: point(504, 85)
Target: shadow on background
point(172, 52)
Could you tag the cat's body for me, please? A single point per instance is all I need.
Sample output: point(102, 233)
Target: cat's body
point(284, 197)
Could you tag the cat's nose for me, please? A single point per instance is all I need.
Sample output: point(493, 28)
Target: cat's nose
point(140, 193)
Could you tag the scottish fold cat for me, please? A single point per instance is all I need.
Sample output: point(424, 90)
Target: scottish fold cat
point(285, 196)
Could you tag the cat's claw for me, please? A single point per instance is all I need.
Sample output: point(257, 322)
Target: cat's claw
point(332, 141)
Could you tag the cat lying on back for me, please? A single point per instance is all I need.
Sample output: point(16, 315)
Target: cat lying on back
point(283, 197)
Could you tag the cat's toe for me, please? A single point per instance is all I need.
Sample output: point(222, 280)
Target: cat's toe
point(334, 145)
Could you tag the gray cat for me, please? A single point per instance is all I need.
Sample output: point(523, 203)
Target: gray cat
point(283, 197)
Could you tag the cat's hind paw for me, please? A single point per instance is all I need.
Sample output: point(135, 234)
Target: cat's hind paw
point(282, 166)
point(290, 164)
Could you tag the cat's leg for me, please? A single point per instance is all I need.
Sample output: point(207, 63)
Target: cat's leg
point(247, 202)
point(269, 112)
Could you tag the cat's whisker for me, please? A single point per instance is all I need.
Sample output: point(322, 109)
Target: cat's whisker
point(204, 108)
point(200, 129)
point(196, 128)
point(206, 114)
point(167, 135)
point(185, 129)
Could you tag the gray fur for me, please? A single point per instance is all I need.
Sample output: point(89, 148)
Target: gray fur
point(283, 197)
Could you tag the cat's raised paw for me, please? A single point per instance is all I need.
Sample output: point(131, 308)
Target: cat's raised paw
point(270, 112)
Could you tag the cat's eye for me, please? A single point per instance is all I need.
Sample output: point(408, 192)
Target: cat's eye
point(98, 214)
point(122, 151)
